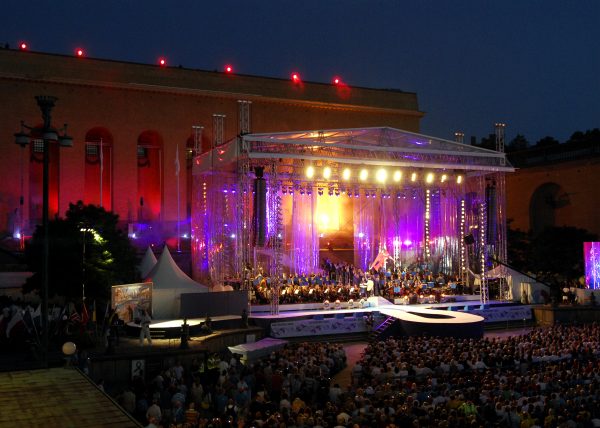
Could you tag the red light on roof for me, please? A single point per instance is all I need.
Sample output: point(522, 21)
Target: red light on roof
point(228, 69)
point(79, 52)
point(162, 62)
point(295, 78)
point(337, 80)
point(23, 46)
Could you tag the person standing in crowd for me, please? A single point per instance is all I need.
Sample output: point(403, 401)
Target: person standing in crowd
point(145, 320)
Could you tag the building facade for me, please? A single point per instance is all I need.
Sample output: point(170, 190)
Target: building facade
point(555, 186)
point(136, 127)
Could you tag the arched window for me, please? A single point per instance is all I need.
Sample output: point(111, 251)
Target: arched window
point(545, 200)
point(98, 168)
point(149, 162)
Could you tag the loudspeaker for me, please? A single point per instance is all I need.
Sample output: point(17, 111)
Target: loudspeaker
point(260, 208)
point(469, 239)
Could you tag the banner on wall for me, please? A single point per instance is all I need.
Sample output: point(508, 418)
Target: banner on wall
point(127, 298)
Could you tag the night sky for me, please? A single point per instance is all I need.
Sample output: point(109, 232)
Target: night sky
point(534, 65)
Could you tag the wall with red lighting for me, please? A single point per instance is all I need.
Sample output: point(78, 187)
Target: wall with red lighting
point(127, 101)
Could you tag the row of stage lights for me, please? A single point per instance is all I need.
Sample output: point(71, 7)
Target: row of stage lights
point(227, 68)
point(337, 191)
point(381, 175)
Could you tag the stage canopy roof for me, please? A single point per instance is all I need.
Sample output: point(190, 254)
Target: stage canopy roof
point(381, 146)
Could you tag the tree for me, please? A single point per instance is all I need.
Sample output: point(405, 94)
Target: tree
point(110, 258)
point(517, 144)
point(557, 251)
point(547, 142)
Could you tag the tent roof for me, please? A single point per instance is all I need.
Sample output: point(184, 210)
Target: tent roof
point(167, 275)
point(382, 146)
point(147, 263)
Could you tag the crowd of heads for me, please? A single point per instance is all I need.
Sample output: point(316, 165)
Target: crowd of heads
point(547, 377)
point(276, 390)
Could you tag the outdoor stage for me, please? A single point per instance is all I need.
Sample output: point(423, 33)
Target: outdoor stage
point(464, 318)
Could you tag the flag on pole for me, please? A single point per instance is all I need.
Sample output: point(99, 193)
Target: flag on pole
point(85, 316)
point(177, 167)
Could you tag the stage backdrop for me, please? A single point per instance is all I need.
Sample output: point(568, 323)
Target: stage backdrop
point(198, 305)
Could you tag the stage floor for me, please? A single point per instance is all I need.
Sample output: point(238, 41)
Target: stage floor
point(383, 304)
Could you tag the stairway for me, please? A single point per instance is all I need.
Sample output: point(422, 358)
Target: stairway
point(378, 332)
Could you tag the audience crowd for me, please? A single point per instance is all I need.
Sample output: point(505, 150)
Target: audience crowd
point(549, 377)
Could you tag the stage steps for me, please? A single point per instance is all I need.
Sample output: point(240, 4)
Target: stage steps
point(378, 332)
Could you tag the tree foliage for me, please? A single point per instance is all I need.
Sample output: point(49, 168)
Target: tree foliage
point(547, 142)
point(517, 144)
point(110, 258)
point(556, 250)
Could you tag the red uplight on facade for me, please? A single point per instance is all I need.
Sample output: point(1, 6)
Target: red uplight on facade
point(228, 69)
point(295, 78)
point(79, 52)
point(23, 46)
point(162, 62)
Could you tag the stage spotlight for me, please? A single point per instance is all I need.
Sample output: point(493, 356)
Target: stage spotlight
point(381, 175)
point(361, 235)
point(413, 176)
point(397, 175)
point(364, 174)
point(346, 174)
point(398, 195)
point(459, 179)
point(330, 192)
point(337, 192)
point(430, 177)
point(291, 190)
point(327, 173)
point(309, 191)
point(310, 172)
point(302, 190)
point(320, 191)
point(284, 190)
point(444, 178)
point(356, 193)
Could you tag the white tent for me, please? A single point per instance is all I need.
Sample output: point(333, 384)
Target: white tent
point(169, 283)
point(523, 288)
point(147, 263)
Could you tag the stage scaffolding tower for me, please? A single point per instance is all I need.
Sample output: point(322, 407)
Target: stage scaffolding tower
point(244, 230)
point(276, 237)
point(501, 251)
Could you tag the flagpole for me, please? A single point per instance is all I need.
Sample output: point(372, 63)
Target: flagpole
point(177, 166)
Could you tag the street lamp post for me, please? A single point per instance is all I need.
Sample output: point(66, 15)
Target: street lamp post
point(49, 134)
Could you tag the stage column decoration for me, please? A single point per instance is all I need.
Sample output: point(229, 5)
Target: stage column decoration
point(463, 246)
point(484, 295)
point(427, 252)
